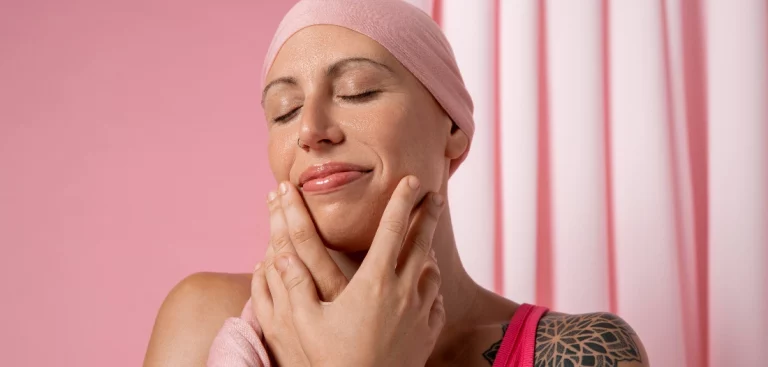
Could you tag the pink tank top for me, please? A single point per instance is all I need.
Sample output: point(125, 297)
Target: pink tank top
point(517, 346)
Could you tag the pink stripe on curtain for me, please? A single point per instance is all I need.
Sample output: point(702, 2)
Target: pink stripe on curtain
point(692, 336)
point(544, 276)
point(498, 249)
point(609, 225)
point(694, 72)
point(765, 148)
point(437, 12)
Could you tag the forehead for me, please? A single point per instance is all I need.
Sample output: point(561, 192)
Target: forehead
point(319, 45)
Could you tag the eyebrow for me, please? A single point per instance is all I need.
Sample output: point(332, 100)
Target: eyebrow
point(284, 80)
point(338, 65)
point(331, 71)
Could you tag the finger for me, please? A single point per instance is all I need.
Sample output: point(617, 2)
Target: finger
point(437, 315)
point(280, 301)
point(429, 282)
point(298, 283)
point(279, 240)
point(382, 256)
point(329, 279)
point(261, 299)
point(418, 243)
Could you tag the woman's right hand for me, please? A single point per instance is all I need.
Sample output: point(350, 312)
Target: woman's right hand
point(291, 231)
point(390, 313)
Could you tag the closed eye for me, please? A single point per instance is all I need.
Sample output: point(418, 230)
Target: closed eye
point(287, 116)
point(360, 97)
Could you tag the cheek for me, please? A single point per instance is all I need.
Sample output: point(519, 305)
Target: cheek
point(281, 154)
point(409, 141)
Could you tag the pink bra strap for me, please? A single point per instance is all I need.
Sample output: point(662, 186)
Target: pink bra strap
point(517, 346)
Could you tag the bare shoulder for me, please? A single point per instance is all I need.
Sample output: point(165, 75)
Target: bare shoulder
point(592, 339)
point(191, 315)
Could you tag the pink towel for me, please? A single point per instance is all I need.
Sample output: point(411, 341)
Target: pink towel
point(239, 343)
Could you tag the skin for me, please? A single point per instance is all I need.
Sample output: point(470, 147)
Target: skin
point(390, 311)
point(395, 128)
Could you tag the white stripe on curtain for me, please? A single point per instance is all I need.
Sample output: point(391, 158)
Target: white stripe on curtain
point(738, 176)
point(646, 269)
point(685, 88)
point(468, 26)
point(518, 148)
point(578, 169)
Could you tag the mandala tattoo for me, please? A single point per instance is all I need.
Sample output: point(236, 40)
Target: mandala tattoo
point(490, 353)
point(598, 339)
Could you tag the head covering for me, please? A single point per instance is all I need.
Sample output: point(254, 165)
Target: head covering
point(406, 32)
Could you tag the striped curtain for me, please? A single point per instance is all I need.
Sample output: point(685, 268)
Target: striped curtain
point(620, 164)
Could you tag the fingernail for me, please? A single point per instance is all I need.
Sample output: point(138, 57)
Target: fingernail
point(281, 263)
point(271, 196)
point(437, 199)
point(258, 266)
point(283, 188)
point(413, 182)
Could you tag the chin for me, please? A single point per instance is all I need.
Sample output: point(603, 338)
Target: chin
point(347, 227)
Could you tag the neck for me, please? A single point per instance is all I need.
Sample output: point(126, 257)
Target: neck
point(467, 304)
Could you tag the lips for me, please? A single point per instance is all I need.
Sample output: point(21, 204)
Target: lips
point(328, 176)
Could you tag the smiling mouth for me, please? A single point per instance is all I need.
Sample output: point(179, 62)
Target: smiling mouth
point(332, 181)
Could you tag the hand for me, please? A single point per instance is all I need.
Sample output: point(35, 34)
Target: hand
point(390, 313)
point(292, 232)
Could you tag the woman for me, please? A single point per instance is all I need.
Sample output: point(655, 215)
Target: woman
point(368, 117)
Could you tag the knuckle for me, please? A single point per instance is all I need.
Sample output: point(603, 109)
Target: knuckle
point(396, 226)
point(431, 260)
point(300, 235)
point(268, 264)
point(421, 243)
point(273, 205)
point(280, 242)
point(294, 282)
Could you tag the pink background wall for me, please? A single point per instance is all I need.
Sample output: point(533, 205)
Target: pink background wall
point(131, 155)
point(585, 114)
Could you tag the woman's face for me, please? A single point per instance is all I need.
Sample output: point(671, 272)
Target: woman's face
point(346, 122)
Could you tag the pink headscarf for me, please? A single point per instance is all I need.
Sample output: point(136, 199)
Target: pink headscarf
point(406, 32)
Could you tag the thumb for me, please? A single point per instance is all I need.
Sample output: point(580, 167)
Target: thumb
point(299, 284)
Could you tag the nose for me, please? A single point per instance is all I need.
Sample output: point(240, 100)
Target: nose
point(317, 129)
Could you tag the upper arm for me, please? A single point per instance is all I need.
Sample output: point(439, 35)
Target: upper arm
point(587, 340)
point(191, 316)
